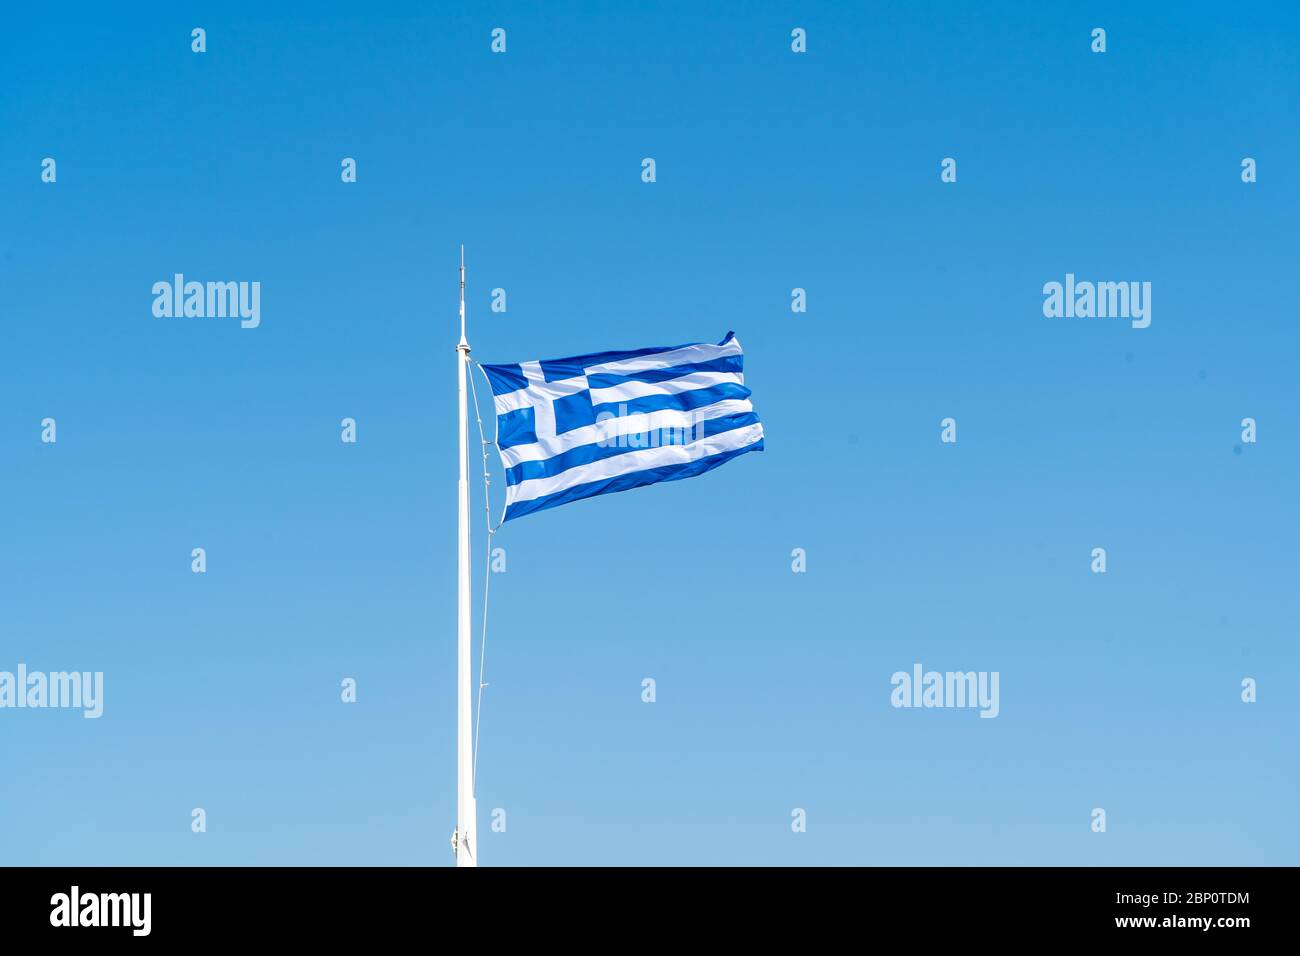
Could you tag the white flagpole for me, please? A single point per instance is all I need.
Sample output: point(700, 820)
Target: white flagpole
point(466, 839)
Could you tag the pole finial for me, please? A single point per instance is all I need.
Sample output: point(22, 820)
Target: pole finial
point(463, 342)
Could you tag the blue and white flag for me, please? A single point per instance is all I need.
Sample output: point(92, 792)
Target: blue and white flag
point(593, 424)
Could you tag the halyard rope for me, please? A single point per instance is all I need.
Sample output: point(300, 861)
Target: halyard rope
point(487, 572)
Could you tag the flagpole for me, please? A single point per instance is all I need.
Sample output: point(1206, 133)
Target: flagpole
point(465, 839)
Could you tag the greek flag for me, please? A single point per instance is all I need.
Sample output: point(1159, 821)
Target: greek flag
point(594, 424)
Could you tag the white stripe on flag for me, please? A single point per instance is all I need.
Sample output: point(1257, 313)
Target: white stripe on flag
point(628, 391)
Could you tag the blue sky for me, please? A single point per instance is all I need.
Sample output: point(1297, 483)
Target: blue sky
point(774, 171)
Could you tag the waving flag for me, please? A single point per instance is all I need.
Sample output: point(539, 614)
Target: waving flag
point(594, 424)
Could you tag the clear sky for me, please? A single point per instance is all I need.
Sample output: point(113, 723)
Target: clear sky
point(775, 170)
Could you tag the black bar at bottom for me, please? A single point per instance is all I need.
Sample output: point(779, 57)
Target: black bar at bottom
point(90, 906)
